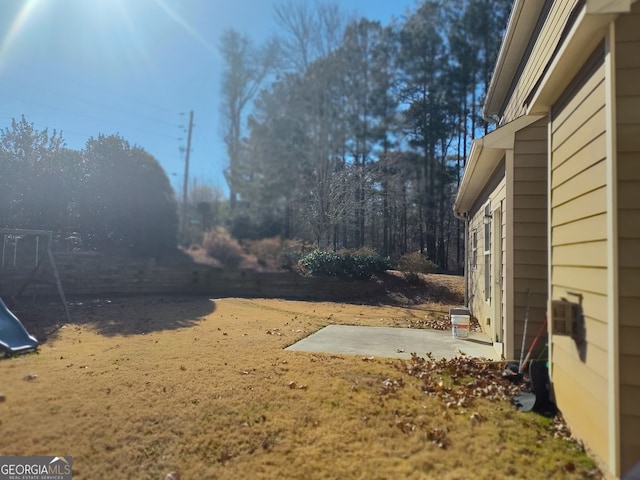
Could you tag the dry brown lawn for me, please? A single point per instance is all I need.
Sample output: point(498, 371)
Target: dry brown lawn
point(136, 388)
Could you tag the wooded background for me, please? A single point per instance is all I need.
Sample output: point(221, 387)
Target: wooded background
point(358, 132)
point(340, 132)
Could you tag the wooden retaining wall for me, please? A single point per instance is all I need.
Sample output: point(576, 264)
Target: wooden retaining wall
point(88, 273)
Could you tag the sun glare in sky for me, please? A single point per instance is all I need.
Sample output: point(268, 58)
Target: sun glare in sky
point(133, 68)
point(110, 31)
point(193, 33)
point(17, 25)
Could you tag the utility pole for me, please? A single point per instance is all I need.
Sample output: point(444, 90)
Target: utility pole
point(185, 184)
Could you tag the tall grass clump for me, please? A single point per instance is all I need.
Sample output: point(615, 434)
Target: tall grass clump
point(220, 245)
point(268, 251)
point(413, 264)
point(277, 253)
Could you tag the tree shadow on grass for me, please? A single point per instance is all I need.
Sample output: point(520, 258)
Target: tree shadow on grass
point(115, 315)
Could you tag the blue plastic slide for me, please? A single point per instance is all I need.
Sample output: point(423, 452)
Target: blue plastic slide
point(14, 338)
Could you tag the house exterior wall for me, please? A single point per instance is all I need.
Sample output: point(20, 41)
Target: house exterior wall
point(627, 87)
point(571, 195)
point(530, 262)
point(481, 307)
point(540, 55)
point(579, 250)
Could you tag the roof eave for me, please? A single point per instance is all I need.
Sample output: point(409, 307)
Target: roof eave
point(485, 156)
point(522, 23)
point(582, 38)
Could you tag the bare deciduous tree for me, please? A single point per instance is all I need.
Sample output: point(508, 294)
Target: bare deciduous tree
point(309, 31)
point(245, 68)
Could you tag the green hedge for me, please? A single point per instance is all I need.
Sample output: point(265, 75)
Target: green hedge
point(360, 264)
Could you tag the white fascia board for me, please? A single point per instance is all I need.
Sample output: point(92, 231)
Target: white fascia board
point(522, 21)
point(469, 173)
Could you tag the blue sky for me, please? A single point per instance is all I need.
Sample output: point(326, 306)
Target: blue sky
point(132, 67)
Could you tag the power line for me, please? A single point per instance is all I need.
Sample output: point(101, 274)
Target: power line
point(88, 86)
point(101, 120)
point(85, 103)
point(186, 176)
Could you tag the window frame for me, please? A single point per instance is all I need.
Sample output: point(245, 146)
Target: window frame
point(474, 248)
point(488, 220)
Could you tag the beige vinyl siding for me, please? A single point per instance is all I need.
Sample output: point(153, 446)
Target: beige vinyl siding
point(483, 310)
point(530, 268)
point(540, 55)
point(578, 213)
point(628, 171)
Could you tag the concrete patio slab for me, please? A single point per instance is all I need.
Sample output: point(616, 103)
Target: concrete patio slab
point(395, 342)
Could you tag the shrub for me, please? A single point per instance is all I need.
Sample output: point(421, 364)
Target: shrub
point(360, 264)
point(369, 261)
point(416, 262)
point(277, 253)
point(321, 262)
point(223, 247)
point(267, 251)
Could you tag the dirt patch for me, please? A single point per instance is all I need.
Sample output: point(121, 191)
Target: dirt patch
point(140, 387)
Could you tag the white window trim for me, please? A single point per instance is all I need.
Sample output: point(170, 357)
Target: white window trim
point(474, 248)
point(487, 222)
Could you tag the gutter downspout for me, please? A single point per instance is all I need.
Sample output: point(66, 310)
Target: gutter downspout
point(465, 217)
point(491, 119)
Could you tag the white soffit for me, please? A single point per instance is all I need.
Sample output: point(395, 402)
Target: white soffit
point(485, 156)
point(608, 6)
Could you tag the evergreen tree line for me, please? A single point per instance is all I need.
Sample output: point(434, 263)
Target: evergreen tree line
point(354, 134)
point(110, 196)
